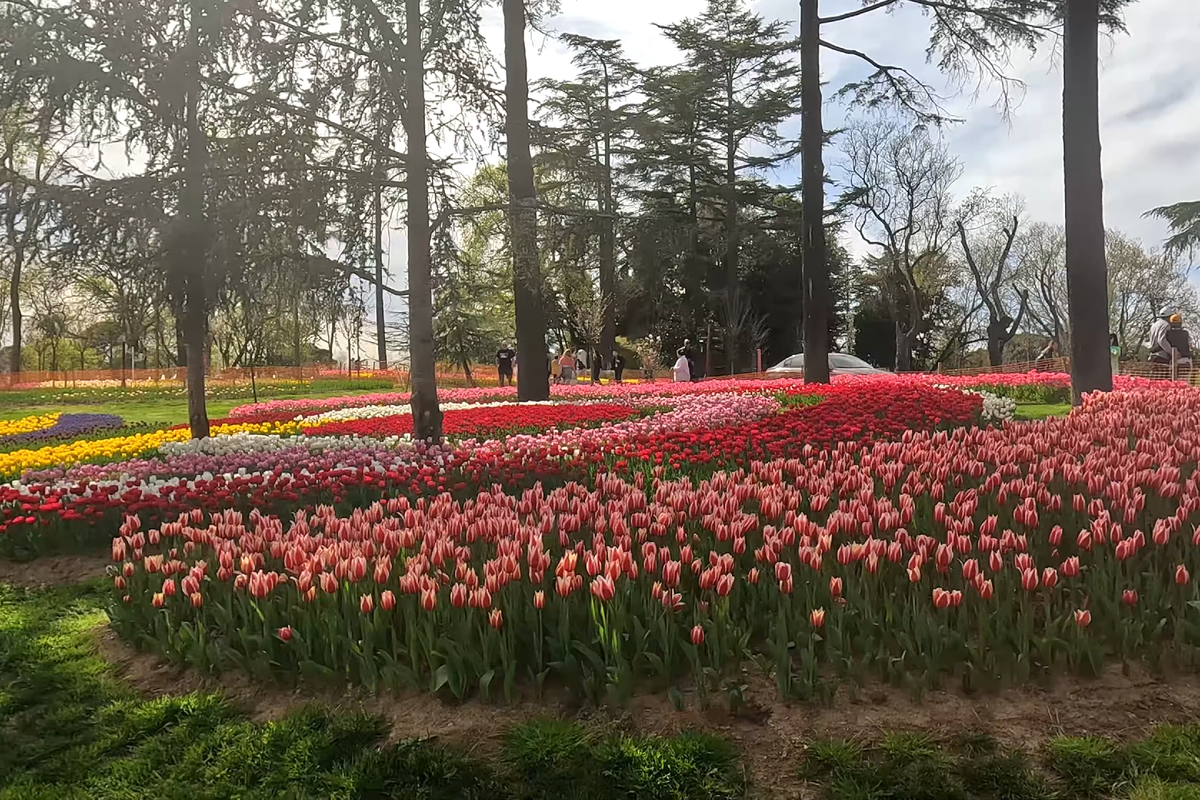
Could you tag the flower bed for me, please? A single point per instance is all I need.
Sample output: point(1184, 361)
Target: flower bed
point(483, 420)
point(62, 507)
point(978, 555)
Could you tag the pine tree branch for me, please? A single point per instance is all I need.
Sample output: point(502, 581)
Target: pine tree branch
point(857, 13)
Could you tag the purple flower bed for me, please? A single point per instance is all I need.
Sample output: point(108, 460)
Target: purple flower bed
point(68, 426)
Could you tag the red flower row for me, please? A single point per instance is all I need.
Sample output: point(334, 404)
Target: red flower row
point(484, 420)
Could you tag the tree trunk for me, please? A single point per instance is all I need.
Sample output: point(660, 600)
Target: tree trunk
point(608, 237)
point(812, 171)
point(532, 383)
point(192, 256)
point(1087, 269)
point(380, 322)
point(903, 349)
point(14, 298)
point(427, 416)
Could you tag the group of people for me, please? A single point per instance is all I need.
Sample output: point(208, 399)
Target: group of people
point(685, 366)
point(565, 368)
point(1170, 343)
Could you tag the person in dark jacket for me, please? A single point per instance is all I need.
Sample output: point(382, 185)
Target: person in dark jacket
point(618, 366)
point(597, 365)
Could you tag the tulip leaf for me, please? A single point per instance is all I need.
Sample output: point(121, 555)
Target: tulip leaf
point(440, 678)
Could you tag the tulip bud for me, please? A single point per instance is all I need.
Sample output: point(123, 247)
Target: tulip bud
point(995, 561)
point(817, 617)
point(539, 599)
point(285, 633)
point(1129, 597)
point(1049, 577)
point(366, 603)
point(157, 601)
point(119, 582)
point(428, 599)
point(697, 635)
point(387, 600)
point(1181, 575)
point(835, 587)
point(1029, 579)
point(496, 618)
point(752, 576)
point(1083, 617)
point(197, 599)
point(986, 590)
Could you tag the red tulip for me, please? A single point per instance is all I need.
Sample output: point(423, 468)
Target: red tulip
point(366, 603)
point(995, 561)
point(724, 585)
point(1181, 575)
point(783, 571)
point(197, 599)
point(539, 599)
point(1083, 617)
point(956, 598)
point(941, 599)
point(1129, 597)
point(119, 582)
point(496, 618)
point(817, 617)
point(752, 576)
point(1056, 534)
point(1070, 567)
point(387, 600)
point(1049, 577)
point(329, 584)
point(458, 593)
point(970, 569)
point(697, 635)
point(986, 590)
point(157, 601)
point(914, 574)
point(428, 599)
point(603, 588)
point(1029, 580)
point(285, 633)
point(835, 587)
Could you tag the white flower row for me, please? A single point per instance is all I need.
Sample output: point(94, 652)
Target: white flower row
point(269, 443)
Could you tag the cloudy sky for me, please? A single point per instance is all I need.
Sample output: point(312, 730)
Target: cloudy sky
point(1149, 98)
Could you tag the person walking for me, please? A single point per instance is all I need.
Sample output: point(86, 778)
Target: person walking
point(618, 365)
point(505, 358)
point(1114, 353)
point(581, 361)
point(566, 365)
point(597, 367)
point(681, 372)
point(1049, 351)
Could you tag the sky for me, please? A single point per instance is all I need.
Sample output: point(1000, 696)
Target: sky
point(1149, 99)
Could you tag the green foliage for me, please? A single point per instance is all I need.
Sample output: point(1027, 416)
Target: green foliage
point(558, 759)
point(1087, 766)
point(73, 731)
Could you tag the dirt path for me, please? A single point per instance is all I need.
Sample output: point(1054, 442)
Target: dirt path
point(54, 570)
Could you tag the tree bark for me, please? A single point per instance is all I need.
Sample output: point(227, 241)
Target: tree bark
point(608, 235)
point(14, 298)
point(812, 171)
point(532, 381)
point(427, 416)
point(193, 254)
point(1087, 269)
point(380, 322)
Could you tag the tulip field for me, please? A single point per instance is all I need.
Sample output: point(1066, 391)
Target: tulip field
point(658, 537)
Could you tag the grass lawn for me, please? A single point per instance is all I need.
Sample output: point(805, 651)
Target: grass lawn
point(168, 411)
point(70, 729)
point(1042, 410)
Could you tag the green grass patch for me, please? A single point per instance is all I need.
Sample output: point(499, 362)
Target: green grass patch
point(1164, 766)
point(69, 729)
point(1034, 411)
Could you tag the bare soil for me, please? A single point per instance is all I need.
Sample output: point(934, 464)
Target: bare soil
point(53, 570)
point(771, 734)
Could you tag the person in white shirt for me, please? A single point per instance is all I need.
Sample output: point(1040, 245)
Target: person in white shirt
point(1159, 349)
point(682, 373)
point(581, 361)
